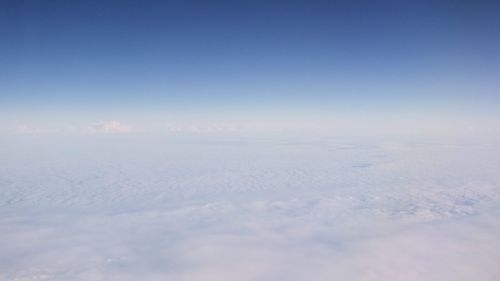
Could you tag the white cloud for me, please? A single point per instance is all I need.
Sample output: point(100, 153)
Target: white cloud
point(299, 211)
point(111, 127)
point(26, 129)
point(202, 127)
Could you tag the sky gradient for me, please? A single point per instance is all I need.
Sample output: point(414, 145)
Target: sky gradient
point(146, 62)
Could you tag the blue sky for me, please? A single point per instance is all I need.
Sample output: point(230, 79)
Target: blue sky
point(144, 60)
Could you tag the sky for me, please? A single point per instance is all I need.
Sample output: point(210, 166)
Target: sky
point(292, 140)
point(218, 64)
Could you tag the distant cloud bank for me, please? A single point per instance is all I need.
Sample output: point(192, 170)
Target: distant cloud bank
point(313, 127)
point(109, 127)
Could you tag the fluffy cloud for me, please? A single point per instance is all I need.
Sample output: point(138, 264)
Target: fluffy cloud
point(26, 129)
point(202, 127)
point(100, 127)
point(162, 210)
point(111, 127)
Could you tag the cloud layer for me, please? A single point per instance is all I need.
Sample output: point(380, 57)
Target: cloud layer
point(256, 211)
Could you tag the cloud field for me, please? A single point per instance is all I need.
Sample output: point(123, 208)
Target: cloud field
point(120, 207)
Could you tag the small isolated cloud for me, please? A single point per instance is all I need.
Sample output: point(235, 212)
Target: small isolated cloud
point(111, 127)
point(26, 129)
point(202, 127)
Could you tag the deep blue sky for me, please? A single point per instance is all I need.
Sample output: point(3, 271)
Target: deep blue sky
point(291, 55)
